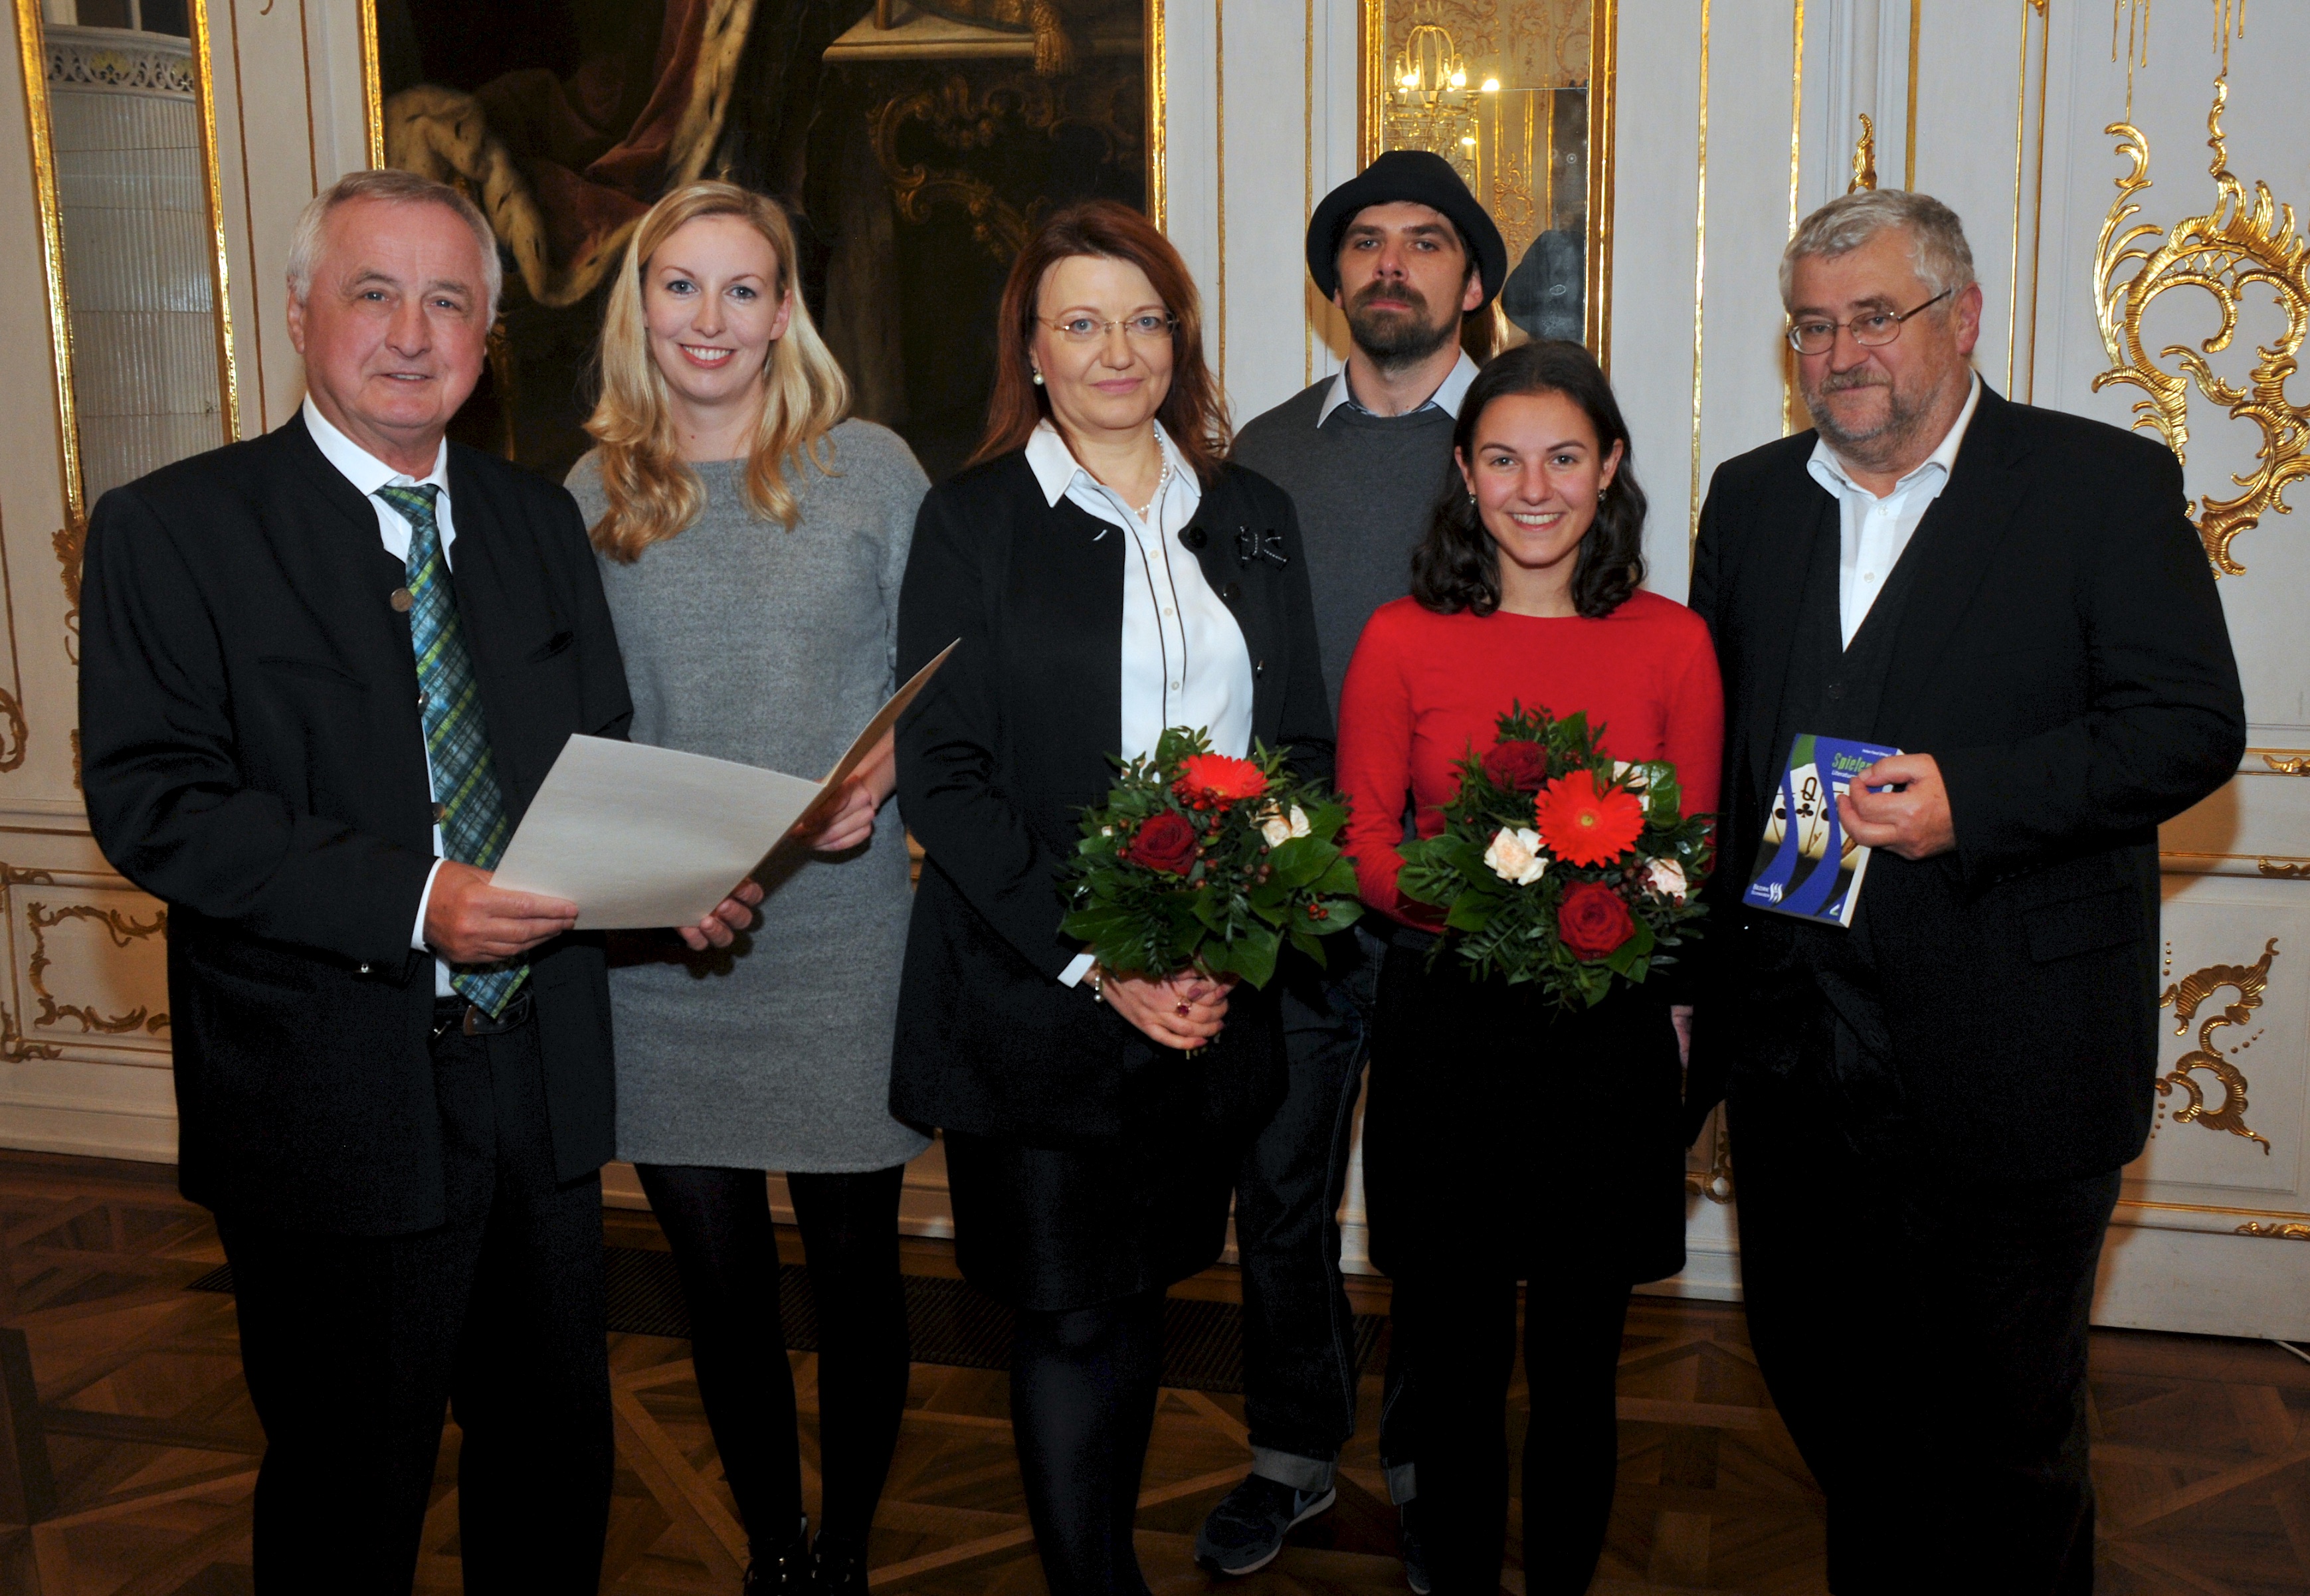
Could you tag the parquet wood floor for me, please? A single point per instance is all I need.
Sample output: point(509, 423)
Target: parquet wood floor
point(136, 1447)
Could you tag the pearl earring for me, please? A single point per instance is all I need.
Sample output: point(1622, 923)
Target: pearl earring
point(1039, 379)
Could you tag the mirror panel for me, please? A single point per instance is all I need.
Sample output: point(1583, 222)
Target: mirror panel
point(124, 144)
point(1517, 95)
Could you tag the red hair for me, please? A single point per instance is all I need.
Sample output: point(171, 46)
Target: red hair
point(1192, 412)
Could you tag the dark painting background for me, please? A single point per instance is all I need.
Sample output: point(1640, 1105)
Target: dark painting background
point(911, 184)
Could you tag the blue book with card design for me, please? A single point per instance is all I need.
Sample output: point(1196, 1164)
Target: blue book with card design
point(1808, 866)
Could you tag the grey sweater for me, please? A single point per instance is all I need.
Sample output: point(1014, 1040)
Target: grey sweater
point(1364, 486)
point(749, 642)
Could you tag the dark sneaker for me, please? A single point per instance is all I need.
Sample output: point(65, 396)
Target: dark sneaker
point(1415, 1558)
point(1246, 1529)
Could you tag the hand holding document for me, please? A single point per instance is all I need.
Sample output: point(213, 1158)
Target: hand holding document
point(639, 837)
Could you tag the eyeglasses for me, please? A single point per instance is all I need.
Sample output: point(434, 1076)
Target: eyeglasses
point(1148, 327)
point(1873, 331)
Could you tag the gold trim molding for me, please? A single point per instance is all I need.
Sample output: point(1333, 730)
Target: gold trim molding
point(38, 1022)
point(2229, 249)
point(2275, 1232)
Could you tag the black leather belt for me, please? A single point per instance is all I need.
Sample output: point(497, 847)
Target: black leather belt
point(456, 1014)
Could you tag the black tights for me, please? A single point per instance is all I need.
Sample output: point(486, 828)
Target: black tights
point(1083, 1386)
point(1453, 1347)
point(727, 1249)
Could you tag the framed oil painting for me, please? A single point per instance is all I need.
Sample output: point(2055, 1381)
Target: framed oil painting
point(915, 143)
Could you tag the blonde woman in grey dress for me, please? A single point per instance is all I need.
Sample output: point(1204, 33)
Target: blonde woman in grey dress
point(751, 542)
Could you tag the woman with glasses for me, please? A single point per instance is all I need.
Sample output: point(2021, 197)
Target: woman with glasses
point(1108, 574)
point(1492, 1117)
point(751, 542)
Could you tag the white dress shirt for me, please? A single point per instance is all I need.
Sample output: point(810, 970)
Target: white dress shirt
point(367, 473)
point(1872, 532)
point(1445, 398)
point(1185, 661)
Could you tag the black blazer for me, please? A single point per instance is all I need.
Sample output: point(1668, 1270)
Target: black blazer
point(2063, 655)
point(1009, 741)
point(253, 757)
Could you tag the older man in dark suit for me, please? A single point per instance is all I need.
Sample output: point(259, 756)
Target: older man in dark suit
point(324, 673)
point(1930, 1110)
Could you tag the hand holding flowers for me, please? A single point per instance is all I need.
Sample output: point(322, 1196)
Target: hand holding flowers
point(1201, 862)
point(1560, 866)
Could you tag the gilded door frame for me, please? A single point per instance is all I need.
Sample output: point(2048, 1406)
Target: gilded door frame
point(1603, 52)
point(32, 53)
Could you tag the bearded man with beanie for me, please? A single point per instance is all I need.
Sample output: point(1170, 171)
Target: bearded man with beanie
point(1406, 253)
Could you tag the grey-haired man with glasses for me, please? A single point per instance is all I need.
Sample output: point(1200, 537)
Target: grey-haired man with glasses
point(1930, 1108)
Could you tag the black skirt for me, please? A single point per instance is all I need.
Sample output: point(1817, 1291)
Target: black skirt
point(1505, 1136)
point(1053, 1227)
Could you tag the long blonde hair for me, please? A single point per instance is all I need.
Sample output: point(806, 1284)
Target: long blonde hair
point(652, 492)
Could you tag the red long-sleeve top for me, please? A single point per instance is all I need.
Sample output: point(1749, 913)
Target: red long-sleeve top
point(1424, 690)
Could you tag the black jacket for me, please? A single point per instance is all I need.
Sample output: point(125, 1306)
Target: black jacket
point(2062, 654)
point(1010, 740)
point(253, 758)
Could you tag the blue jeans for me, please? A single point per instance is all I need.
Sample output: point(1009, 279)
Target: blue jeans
point(1299, 1374)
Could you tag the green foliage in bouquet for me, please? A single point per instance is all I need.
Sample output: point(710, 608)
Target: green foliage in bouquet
point(1201, 861)
point(1560, 866)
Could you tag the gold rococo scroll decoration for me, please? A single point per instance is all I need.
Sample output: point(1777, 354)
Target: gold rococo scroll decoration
point(962, 121)
point(2230, 248)
point(14, 1046)
point(2275, 1232)
point(124, 932)
point(1864, 157)
point(2249, 981)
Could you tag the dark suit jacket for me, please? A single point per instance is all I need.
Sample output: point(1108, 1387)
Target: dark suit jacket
point(2063, 655)
point(253, 757)
point(1009, 740)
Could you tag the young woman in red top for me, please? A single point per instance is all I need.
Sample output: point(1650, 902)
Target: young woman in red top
point(1506, 1140)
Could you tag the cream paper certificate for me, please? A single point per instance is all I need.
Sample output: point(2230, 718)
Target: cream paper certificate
point(639, 837)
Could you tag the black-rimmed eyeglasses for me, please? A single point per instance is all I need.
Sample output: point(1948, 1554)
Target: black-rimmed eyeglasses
point(1817, 336)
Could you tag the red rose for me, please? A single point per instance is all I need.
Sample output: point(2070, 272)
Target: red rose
point(1216, 779)
point(1592, 921)
point(1519, 766)
point(1166, 842)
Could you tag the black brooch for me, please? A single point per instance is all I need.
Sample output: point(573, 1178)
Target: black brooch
point(1267, 545)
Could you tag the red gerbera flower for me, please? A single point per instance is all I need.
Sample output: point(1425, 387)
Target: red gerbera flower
point(1216, 779)
point(1585, 823)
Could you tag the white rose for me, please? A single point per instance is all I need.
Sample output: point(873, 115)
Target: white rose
point(1666, 876)
point(1298, 821)
point(1514, 856)
point(1276, 830)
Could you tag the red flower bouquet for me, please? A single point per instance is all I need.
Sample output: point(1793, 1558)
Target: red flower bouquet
point(1200, 861)
point(1560, 866)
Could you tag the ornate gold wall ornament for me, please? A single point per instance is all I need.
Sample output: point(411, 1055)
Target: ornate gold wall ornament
point(2284, 870)
point(2185, 995)
point(124, 932)
point(2276, 1232)
point(13, 1047)
point(1864, 157)
point(2287, 764)
point(2222, 252)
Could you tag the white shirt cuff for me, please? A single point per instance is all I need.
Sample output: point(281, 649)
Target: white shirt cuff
point(417, 931)
point(1076, 971)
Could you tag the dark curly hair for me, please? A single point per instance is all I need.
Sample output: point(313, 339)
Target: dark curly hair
point(1456, 565)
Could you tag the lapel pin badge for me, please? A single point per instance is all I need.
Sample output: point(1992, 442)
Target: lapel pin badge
point(1266, 545)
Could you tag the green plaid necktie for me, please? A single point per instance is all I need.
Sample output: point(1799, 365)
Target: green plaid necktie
point(470, 807)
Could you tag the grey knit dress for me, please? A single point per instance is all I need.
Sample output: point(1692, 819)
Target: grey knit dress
point(748, 642)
